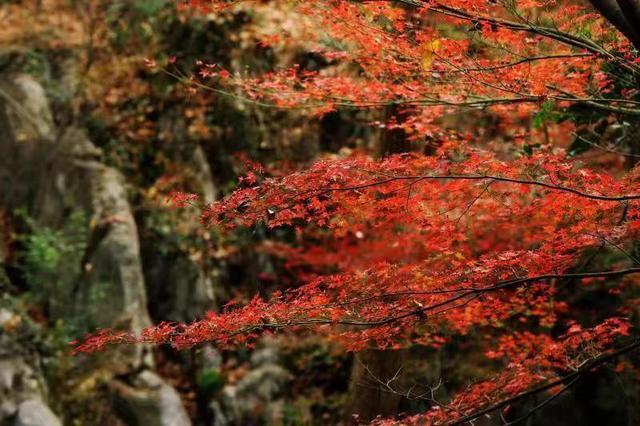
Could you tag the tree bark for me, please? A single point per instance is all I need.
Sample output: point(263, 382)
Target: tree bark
point(622, 14)
point(367, 396)
point(393, 141)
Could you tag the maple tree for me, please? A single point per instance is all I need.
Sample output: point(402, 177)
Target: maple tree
point(468, 232)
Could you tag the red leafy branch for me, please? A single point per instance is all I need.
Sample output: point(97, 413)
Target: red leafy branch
point(570, 377)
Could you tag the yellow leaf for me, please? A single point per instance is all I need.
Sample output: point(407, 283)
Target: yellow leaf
point(152, 192)
point(428, 50)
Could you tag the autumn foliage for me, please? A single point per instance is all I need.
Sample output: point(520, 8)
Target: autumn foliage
point(469, 233)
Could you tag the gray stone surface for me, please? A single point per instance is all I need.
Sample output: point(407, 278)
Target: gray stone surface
point(27, 137)
point(110, 270)
point(55, 175)
point(18, 381)
point(257, 395)
point(34, 412)
point(194, 280)
point(22, 386)
point(150, 401)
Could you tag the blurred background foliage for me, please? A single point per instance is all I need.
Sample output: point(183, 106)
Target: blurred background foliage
point(161, 136)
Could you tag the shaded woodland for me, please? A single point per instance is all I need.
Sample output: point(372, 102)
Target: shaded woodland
point(164, 164)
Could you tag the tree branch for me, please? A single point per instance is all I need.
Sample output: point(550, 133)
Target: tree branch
point(552, 33)
point(595, 363)
point(479, 178)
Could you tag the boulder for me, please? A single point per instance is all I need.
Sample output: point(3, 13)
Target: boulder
point(148, 400)
point(257, 395)
point(18, 382)
point(34, 412)
point(22, 386)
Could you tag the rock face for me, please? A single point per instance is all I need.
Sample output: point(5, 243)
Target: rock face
point(59, 179)
point(193, 278)
point(110, 269)
point(257, 394)
point(192, 289)
point(58, 176)
point(22, 386)
point(21, 379)
point(27, 135)
point(150, 401)
point(34, 412)
point(18, 382)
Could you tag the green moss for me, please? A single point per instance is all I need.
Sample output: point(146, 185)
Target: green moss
point(210, 381)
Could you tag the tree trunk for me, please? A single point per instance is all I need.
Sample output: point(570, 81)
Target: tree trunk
point(393, 141)
point(368, 397)
point(622, 14)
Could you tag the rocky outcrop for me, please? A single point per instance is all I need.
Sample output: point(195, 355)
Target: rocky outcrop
point(191, 291)
point(27, 136)
point(110, 270)
point(149, 401)
point(59, 178)
point(18, 382)
point(22, 387)
point(257, 395)
point(34, 412)
point(193, 276)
